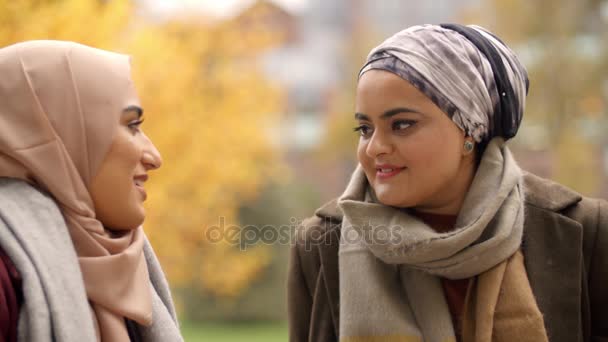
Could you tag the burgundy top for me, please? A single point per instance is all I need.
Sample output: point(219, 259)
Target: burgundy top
point(10, 299)
point(455, 290)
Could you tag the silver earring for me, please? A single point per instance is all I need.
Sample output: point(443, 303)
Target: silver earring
point(468, 146)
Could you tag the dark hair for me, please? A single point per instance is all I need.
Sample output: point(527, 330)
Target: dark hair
point(480, 148)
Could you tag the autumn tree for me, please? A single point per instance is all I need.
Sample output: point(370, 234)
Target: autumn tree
point(207, 109)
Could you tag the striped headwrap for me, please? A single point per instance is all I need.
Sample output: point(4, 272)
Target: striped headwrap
point(469, 73)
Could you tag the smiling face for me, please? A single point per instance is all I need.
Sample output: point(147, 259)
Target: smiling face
point(117, 189)
point(410, 151)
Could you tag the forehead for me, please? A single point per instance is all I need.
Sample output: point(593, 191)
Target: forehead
point(379, 90)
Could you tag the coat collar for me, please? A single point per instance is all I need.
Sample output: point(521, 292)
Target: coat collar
point(543, 193)
point(553, 251)
point(552, 247)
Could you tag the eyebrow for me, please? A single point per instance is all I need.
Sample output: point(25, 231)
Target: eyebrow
point(135, 109)
point(389, 113)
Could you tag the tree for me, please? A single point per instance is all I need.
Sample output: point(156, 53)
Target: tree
point(207, 108)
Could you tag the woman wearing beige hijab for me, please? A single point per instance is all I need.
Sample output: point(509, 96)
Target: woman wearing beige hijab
point(73, 163)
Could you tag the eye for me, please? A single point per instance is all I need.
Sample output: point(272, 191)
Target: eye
point(134, 125)
point(364, 130)
point(402, 125)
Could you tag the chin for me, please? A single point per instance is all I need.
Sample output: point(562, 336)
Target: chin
point(139, 218)
point(121, 215)
point(133, 218)
point(394, 200)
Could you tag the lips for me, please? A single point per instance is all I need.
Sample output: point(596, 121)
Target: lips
point(139, 181)
point(386, 171)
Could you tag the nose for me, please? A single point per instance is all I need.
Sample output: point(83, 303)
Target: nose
point(151, 157)
point(378, 144)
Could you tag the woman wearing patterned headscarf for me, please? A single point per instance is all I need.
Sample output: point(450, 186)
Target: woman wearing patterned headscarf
point(75, 263)
point(439, 235)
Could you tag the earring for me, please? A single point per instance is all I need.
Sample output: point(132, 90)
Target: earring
point(468, 146)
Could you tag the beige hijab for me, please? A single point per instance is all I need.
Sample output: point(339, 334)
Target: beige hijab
point(60, 104)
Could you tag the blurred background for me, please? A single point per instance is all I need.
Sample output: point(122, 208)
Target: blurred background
point(250, 102)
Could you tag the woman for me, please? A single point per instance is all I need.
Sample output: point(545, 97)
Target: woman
point(440, 236)
point(76, 265)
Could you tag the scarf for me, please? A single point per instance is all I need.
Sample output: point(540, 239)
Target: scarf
point(390, 263)
point(452, 71)
point(34, 235)
point(60, 104)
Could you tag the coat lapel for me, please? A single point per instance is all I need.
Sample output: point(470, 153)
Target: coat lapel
point(553, 251)
point(329, 265)
point(328, 251)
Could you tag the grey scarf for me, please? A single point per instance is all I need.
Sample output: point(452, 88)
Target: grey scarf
point(34, 235)
point(390, 262)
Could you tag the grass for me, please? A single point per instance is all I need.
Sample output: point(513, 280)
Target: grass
point(234, 332)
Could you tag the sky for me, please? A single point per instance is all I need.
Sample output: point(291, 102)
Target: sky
point(216, 8)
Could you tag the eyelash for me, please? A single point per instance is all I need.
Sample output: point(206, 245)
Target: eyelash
point(134, 125)
point(362, 128)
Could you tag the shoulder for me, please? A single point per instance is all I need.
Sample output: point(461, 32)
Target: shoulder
point(24, 205)
point(10, 187)
point(17, 194)
point(316, 229)
point(315, 236)
point(550, 200)
point(549, 195)
point(32, 223)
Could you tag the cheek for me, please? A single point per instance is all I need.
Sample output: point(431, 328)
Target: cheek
point(438, 157)
point(115, 198)
point(366, 162)
point(417, 151)
point(127, 155)
point(361, 156)
point(431, 157)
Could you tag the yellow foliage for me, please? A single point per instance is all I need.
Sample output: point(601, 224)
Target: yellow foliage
point(577, 165)
point(207, 108)
point(88, 22)
point(229, 277)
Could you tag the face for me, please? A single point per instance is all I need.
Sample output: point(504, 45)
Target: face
point(117, 189)
point(412, 152)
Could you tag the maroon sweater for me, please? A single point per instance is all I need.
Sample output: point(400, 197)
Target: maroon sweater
point(10, 299)
point(455, 290)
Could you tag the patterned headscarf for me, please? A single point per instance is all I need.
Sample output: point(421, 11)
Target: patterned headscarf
point(466, 71)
